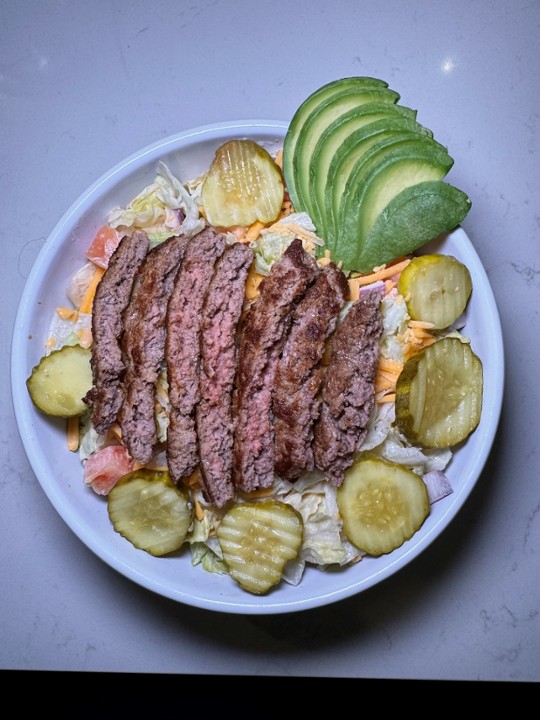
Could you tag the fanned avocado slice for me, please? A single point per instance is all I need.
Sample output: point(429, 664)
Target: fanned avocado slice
point(303, 112)
point(366, 142)
point(411, 219)
point(317, 122)
point(334, 137)
point(376, 179)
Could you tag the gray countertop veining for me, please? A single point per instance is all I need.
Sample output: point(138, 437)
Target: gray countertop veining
point(84, 85)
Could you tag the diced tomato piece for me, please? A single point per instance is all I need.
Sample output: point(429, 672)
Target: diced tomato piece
point(104, 468)
point(103, 246)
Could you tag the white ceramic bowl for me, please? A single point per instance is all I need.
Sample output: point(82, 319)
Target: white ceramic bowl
point(60, 473)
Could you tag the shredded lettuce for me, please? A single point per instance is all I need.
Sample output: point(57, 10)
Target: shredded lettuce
point(80, 282)
point(396, 448)
point(206, 556)
point(273, 241)
point(395, 317)
point(315, 499)
point(163, 209)
point(67, 332)
point(89, 440)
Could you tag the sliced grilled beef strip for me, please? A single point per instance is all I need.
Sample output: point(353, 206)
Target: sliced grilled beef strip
point(348, 394)
point(143, 344)
point(221, 313)
point(262, 336)
point(111, 299)
point(295, 403)
point(182, 349)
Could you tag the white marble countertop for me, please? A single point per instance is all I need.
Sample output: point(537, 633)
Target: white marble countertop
point(82, 86)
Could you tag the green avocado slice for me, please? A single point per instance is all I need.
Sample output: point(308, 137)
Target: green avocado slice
point(317, 122)
point(375, 180)
point(303, 112)
point(365, 142)
point(333, 138)
point(412, 218)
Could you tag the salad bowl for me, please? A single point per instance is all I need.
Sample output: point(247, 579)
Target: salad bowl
point(59, 472)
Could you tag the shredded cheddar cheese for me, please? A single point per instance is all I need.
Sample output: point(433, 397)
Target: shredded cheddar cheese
point(88, 299)
point(73, 434)
point(85, 337)
point(383, 273)
point(387, 398)
point(254, 231)
point(65, 313)
point(253, 281)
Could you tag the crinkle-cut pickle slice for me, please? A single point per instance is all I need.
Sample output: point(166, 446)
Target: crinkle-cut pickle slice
point(436, 288)
point(150, 511)
point(439, 394)
point(257, 540)
point(60, 381)
point(382, 505)
point(243, 185)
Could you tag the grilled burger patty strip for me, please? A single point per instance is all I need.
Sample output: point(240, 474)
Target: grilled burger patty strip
point(299, 375)
point(182, 349)
point(143, 344)
point(262, 337)
point(221, 312)
point(348, 395)
point(111, 299)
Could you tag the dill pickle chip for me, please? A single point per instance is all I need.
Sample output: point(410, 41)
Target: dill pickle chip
point(382, 505)
point(439, 394)
point(243, 185)
point(436, 288)
point(60, 381)
point(257, 540)
point(150, 511)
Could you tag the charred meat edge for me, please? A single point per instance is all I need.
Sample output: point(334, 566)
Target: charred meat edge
point(182, 349)
point(299, 375)
point(143, 344)
point(110, 301)
point(221, 313)
point(262, 336)
point(348, 394)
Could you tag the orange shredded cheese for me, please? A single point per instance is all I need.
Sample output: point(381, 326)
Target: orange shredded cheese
point(116, 430)
point(72, 438)
point(389, 397)
point(383, 273)
point(191, 480)
point(417, 336)
point(254, 231)
point(88, 300)
point(279, 158)
point(85, 337)
point(253, 281)
point(199, 512)
point(385, 381)
point(421, 333)
point(65, 313)
point(425, 324)
point(390, 365)
point(324, 261)
point(387, 374)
